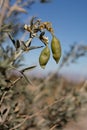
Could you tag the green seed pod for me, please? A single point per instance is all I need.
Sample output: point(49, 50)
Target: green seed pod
point(56, 49)
point(44, 57)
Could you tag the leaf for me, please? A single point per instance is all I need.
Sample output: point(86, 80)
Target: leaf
point(28, 68)
point(35, 47)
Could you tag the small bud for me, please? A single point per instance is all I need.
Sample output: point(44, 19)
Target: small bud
point(26, 27)
point(42, 26)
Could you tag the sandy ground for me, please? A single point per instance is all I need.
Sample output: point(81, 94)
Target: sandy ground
point(81, 124)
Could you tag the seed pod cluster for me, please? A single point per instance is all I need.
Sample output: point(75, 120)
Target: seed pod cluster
point(38, 29)
point(44, 57)
point(56, 49)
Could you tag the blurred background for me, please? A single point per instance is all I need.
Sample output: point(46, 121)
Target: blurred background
point(58, 93)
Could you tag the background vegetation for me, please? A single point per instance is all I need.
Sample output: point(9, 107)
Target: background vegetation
point(46, 103)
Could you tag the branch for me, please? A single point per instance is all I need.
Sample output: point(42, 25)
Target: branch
point(17, 8)
point(3, 11)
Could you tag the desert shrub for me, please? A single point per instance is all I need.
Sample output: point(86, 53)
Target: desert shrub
point(40, 104)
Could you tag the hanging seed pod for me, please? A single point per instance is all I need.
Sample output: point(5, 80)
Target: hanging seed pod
point(56, 49)
point(44, 57)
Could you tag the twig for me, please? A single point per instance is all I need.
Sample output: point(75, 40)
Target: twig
point(5, 115)
point(36, 114)
point(2, 98)
point(19, 125)
point(17, 8)
point(10, 86)
point(4, 10)
point(84, 84)
point(13, 83)
point(52, 128)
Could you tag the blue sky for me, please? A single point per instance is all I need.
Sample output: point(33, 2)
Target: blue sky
point(69, 20)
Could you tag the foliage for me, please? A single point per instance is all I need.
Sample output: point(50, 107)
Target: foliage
point(42, 104)
point(11, 13)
